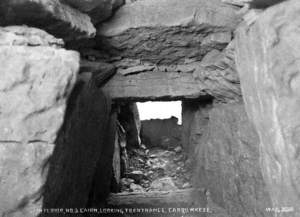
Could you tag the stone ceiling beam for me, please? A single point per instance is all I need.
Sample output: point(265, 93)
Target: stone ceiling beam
point(154, 86)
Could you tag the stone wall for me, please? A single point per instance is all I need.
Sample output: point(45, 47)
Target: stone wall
point(164, 133)
point(268, 62)
point(195, 117)
point(227, 164)
point(80, 169)
point(129, 119)
point(36, 77)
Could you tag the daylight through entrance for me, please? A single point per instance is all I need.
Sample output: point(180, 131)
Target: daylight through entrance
point(158, 162)
point(160, 110)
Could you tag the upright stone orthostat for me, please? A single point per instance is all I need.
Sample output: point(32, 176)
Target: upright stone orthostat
point(267, 56)
point(36, 77)
point(227, 162)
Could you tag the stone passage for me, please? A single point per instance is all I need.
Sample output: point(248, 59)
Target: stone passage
point(70, 132)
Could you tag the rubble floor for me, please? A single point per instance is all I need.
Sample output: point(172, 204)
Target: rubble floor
point(156, 169)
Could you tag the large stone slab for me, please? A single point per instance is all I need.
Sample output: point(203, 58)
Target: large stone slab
point(22, 175)
point(227, 162)
point(274, 105)
point(215, 76)
point(168, 31)
point(154, 86)
point(36, 77)
point(129, 118)
point(34, 84)
point(195, 117)
point(268, 63)
point(56, 18)
point(81, 168)
point(24, 36)
point(99, 10)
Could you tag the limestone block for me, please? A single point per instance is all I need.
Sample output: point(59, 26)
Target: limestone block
point(36, 77)
point(168, 31)
point(214, 76)
point(34, 84)
point(267, 56)
point(227, 163)
point(25, 36)
point(22, 175)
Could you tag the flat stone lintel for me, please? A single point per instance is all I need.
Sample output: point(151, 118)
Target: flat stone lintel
point(157, 85)
point(147, 86)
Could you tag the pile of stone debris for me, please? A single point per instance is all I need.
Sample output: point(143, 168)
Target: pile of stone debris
point(156, 169)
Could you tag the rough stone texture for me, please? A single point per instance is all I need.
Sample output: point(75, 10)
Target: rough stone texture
point(86, 5)
point(215, 76)
point(56, 18)
point(163, 133)
point(264, 3)
point(80, 168)
point(219, 76)
point(101, 72)
point(154, 86)
point(195, 117)
point(35, 79)
point(25, 36)
point(117, 170)
point(21, 177)
point(168, 31)
point(228, 164)
point(163, 184)
point(130, 121)
point(99, 10)
point(34, 83)
point(104, 169)
point(254, 3)
point(155, 199)
point(268, 62)
point(240, 3)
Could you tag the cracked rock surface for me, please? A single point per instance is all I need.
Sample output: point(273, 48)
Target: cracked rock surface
point(36, 77)
point(168, 31)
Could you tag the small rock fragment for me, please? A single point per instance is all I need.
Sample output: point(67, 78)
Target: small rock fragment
point(178, 149)
point(137, 175)
point(163, 184)
point(136, 188)
point(186, 185)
